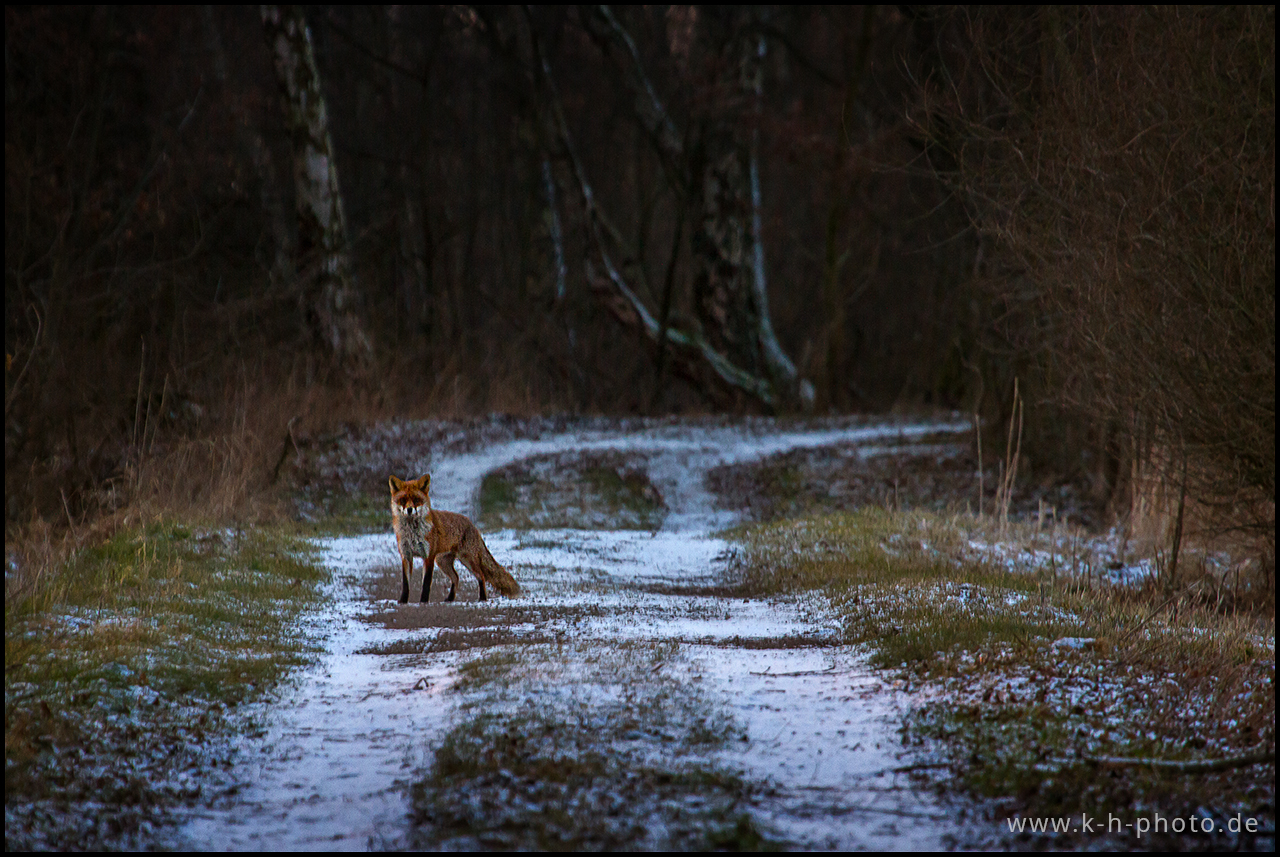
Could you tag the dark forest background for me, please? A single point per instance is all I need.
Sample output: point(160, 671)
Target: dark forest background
point(1064, 217)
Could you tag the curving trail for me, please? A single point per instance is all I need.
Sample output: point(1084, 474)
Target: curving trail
point(343, 742)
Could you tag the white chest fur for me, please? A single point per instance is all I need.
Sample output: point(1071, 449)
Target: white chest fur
point(414, 531)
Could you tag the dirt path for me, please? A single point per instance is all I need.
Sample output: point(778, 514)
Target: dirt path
point(815, 729)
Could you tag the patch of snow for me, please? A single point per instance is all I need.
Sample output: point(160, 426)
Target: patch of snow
point(1077, 643)
point(343, 745)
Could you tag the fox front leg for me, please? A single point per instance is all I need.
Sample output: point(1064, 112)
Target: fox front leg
point(428, 572)
point(406, 566)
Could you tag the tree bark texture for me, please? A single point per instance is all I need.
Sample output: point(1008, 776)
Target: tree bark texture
point(330, 301)
point(720, 173)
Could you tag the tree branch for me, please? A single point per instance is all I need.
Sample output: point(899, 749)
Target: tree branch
point(656, 331)
point(1191, 766)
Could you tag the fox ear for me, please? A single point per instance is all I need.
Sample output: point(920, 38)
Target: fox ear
point(423, 481)
point(396, 484)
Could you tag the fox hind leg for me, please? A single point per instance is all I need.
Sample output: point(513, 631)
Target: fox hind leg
point(446, 565)
point(484, 596)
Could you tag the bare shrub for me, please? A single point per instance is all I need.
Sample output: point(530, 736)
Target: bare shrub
point(1124, 161)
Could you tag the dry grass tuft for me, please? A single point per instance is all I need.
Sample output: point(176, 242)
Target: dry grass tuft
point(122, 663)
point(1052, 647)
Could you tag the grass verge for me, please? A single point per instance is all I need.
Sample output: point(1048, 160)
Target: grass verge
point(603, 490)
point(123, 665)
point(578, 750)
point(1043, 679)
point(326, 513)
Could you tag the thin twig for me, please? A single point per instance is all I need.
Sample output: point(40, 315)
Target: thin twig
point(1144, 622)
point(923, 766)
point(1190, 766)
point(828, 671)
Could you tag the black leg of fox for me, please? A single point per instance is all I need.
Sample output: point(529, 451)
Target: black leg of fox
point(480, 580)
point(428, 572)
point(446, 565)
point(406, 566)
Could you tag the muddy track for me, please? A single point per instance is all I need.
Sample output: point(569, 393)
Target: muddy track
point(815, 730)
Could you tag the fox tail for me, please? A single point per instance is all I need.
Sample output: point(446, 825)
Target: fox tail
point(497, 576)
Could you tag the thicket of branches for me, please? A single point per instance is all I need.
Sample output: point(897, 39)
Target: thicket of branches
point(1122, 160)
point(160, 300)
point(640, 209)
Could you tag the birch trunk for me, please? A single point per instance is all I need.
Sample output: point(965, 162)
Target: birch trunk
point(722, 174)
point(330, 302)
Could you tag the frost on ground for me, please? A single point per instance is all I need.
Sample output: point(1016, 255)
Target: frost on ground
point(1039, 673)
point(627, 699)
point(124, 673)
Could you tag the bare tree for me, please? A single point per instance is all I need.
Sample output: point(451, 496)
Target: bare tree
point(1126, 173)
point(719, 179)
point(330, 299)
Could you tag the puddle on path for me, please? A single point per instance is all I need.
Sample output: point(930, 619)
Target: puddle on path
point(341, 748)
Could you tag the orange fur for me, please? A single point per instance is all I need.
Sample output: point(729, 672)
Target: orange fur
point(439, 537)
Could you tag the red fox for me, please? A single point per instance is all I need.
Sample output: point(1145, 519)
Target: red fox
point(440, 536)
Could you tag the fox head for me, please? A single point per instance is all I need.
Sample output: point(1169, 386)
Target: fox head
point(410, 498)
